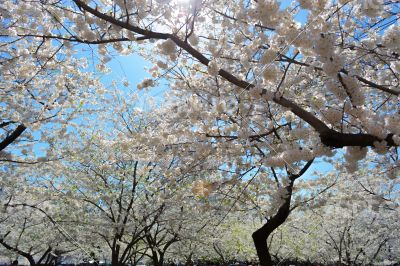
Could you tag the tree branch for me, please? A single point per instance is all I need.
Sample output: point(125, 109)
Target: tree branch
point(12, 137)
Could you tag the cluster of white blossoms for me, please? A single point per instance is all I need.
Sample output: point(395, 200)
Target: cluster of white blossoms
point(269, 56)
point(333, 116)
point(162, 65)
point(270, 74)
point(306, 4)
point(202, 188)
point(251, 90)
point(276, 200)
point(334, 87)
point(193, 39)
point(258, 92)
point(374, 127)
point(168, 48)
point(391, 38)
point(333, 65)
point(288, 156)
point(352, 88)
point(146, 83)
point(371, 8)
point(213, 68)
point(332, 61)
point(266, 11)
point(353, 155)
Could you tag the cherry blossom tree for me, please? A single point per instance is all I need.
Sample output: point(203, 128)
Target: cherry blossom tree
point(124, 195)
point(41, 91)
point(353, 224)
point(28, 229)
point(113, 193)
point(254, 89)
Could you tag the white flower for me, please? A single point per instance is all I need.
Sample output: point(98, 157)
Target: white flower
point(213, 68)
point(102, 68)
point(324, 45)
point(5, 155)
point(391, 37)
point(395, 66)
point(332, 115)
point(374, 127)
point(352, 88)
point(146, 83)
point(372, 8)
point(333, 65)
point(193, 39)
point(268, 95)
point(268, 57)
point(168, 47)
point(270, 73)
point(220, 107)
point(162, 65)
point(352, 156)
point(255, 91)
point(202, 188)
point(380, 146)
point(306, 4)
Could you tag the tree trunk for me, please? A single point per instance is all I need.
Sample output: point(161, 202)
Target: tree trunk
point(189, 261)
point(261, 235)
point(154, 258)
point(115, 258)
point(158, 258)
point(31, 261)
point(260, 242)
point(161, 260)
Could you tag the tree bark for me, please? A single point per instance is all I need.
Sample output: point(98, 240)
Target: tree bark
point(260, 236)
point(154, 258)
point(115, 257)
point(12, 137)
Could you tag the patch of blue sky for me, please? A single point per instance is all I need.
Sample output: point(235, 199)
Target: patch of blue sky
point(133, 69)
point(301, 15)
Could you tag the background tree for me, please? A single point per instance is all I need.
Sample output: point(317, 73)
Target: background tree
point(27, 227)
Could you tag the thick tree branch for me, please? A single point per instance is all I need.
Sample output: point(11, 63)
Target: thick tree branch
point(128, 26)
point(328, 136)
point(28, 256)
point(12, 137)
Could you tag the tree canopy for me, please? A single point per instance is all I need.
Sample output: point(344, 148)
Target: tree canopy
point(276, 114)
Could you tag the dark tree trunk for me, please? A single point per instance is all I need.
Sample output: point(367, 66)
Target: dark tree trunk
point(115, 257)
point(161, 260)
point(260, 236)
point(260, 242)
point(189, 261)
point(31, 261)
point(157, 258)
point(154, 258)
